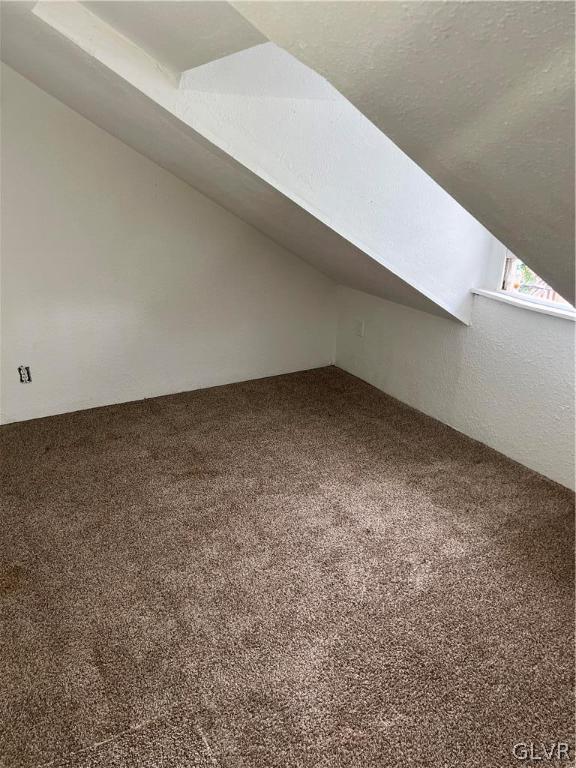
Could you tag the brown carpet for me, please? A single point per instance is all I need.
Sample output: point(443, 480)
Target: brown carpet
point(296, 572)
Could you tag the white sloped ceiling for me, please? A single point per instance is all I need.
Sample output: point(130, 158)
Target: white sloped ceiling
point(265, 137)
point(479, 94)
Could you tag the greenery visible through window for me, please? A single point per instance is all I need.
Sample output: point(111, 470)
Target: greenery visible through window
point(520, 279)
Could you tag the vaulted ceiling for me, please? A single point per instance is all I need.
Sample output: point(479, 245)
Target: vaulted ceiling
point(479, 94)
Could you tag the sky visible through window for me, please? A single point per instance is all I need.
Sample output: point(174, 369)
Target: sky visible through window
point(521, 280)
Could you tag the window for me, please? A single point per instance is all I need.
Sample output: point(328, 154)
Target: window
point(522, 281)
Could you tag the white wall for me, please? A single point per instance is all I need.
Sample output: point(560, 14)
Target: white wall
point(120, 281)
point(507, 380)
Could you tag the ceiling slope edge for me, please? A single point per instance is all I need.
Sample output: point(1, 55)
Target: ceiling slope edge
point(149, 95)
point(480, 95)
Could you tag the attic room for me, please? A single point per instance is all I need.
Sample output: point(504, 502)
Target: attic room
point(287, 384)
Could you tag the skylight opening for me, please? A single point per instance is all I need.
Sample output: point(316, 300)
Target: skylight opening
point(519, 280)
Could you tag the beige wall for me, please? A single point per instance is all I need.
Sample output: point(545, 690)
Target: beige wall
point(120, 282)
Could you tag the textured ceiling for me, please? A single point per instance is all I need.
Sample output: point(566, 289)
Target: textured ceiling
point(70, 74)
point(180, 35)
point(479, 94)
point(407, 58)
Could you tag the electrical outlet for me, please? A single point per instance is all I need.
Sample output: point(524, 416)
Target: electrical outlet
point(360, 328)
point(24, 373)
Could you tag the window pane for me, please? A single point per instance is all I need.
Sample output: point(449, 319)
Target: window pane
point(520, 279)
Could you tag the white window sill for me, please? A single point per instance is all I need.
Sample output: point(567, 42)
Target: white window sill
point(532, 306)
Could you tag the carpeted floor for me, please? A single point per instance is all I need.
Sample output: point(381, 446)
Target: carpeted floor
point(296, 572)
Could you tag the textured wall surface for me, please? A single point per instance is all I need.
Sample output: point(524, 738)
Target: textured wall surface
point(120, 282)
point(507, 380)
